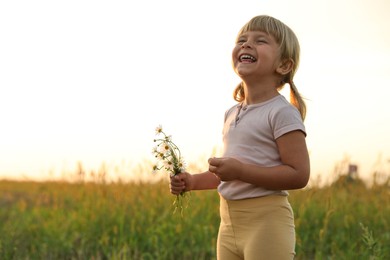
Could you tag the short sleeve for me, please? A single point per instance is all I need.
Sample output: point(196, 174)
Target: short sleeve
point(287, 119)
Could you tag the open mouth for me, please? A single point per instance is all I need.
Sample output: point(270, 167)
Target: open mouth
point(246, 58)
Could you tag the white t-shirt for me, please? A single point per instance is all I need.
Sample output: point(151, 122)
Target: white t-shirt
point(249, 135)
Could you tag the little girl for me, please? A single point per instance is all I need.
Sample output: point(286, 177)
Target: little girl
point(265, 151)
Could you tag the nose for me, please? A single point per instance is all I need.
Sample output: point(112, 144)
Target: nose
point(246, 45)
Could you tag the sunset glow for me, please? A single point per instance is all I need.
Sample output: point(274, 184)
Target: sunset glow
point(87, 81)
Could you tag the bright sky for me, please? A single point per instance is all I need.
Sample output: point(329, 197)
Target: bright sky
point(90, 80)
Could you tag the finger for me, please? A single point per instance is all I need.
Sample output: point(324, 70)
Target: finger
point(214, 161)
point(175, 192)
point(176, 185)
point(212, 169)
point(175, 178)
point(177, 182)
point(177, 189)
point(179, 176)
point(211, 160)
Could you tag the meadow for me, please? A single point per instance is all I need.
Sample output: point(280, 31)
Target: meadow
point(135, 220)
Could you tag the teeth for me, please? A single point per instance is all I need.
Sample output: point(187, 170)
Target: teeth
point(246, 57)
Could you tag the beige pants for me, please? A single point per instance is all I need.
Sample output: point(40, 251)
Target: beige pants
point(256, 229)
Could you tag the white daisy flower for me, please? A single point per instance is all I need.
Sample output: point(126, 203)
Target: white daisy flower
point(164, 147)
point(159, 129)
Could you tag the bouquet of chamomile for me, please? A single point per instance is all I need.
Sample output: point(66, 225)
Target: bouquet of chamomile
point(169, 159)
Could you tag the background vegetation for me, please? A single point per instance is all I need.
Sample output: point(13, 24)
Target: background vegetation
point(135, 220)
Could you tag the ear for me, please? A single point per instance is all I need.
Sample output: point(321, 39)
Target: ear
point(285, 67)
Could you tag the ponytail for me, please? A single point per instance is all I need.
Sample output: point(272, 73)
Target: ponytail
point(238, 93)
point(297, 100)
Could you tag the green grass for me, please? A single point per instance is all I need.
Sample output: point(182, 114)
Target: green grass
point(62, 220)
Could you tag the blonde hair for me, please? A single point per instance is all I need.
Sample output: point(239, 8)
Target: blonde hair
point(289, 50)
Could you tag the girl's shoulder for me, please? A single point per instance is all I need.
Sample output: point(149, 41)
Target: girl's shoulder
point(279, 105)
point(231, 109)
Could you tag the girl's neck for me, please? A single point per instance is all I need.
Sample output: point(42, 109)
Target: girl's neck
point(259, 93)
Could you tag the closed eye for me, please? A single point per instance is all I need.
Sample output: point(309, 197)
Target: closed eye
point(241, 40)
point(262, 40)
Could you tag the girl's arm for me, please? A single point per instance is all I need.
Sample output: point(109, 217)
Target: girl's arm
point(293, 173)
point(186, 182)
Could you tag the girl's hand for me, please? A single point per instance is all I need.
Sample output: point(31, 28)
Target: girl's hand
point(226, 169)
point(180, 183)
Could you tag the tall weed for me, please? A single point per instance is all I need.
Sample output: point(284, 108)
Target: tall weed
point(135, 220)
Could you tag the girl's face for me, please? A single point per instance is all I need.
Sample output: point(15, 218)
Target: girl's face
point(255, 54)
